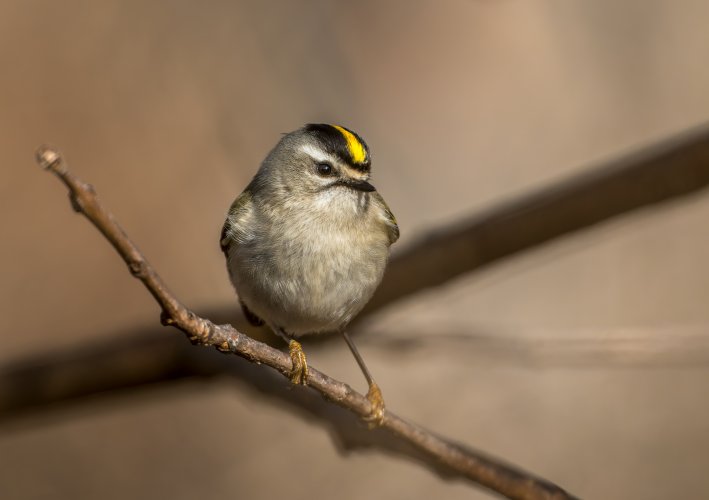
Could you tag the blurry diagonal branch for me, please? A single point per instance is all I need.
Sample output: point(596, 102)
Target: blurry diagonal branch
point(51, 383)
point(456, 459)
point(662, 172)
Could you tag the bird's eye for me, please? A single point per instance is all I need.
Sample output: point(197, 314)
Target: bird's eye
point(324, 169)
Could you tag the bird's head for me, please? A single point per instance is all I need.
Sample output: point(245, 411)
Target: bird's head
point(319, 161)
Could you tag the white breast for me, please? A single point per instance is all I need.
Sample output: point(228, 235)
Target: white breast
point(311, 272)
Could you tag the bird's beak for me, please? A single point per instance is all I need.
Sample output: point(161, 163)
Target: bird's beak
point(361, 186)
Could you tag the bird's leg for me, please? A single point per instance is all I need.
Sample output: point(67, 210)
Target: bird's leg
point(299, 371)
point(374, 394)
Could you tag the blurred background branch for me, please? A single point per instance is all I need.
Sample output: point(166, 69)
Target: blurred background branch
point(662, 172)
point(113, 370)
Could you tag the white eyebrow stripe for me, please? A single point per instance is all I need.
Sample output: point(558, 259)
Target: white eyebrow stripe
point(315, 153)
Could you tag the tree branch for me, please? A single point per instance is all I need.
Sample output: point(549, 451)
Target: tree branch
point(664, 171)
point(485, 471)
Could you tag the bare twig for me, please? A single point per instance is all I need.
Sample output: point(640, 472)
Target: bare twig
point(679, 346)
point(485, 471)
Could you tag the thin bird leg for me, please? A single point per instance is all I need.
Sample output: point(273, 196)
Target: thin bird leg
point(299, 371)
point(374, 394)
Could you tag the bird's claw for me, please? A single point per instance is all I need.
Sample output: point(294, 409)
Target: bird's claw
point(376, 414)
point(299, 371)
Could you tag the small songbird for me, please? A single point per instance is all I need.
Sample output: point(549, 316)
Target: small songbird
point(307, 241)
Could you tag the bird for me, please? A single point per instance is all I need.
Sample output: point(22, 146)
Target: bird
point(308, 240)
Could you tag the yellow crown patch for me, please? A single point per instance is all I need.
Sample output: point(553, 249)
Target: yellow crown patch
point(356, 149)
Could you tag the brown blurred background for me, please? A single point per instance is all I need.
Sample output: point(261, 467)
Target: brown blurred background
point(584, 360)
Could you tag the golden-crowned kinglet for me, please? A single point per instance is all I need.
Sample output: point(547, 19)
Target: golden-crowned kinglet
point(307, 241)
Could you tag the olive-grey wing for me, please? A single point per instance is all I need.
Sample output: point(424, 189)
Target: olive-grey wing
point(388, 218)
point(233, 230)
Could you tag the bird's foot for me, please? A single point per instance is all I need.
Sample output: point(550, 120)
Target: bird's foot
point(376, 414)
point(299, 372)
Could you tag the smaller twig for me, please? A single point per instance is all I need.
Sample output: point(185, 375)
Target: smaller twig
point(678, 346)
point(485, 471)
